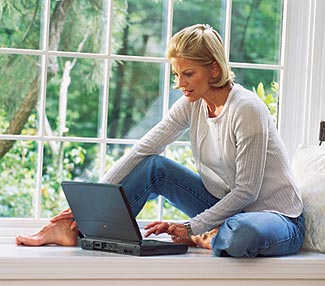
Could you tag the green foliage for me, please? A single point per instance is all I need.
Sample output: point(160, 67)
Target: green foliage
point(255, 31)
point(17, 198)
point(18, 179)
point(20, 23)
point(269, 98)
point(199, 11)
point(149, 211)
point(53, 200)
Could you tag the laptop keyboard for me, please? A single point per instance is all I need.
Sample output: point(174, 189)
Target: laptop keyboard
point(154, 242)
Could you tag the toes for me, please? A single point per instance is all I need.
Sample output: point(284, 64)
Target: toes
point(18, 240)
point(28, 241)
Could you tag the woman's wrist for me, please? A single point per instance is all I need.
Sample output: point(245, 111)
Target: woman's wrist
point(188, 228)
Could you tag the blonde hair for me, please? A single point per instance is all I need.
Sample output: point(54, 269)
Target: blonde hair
point(203, 44)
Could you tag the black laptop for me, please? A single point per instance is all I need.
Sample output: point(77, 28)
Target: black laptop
point(106, 222)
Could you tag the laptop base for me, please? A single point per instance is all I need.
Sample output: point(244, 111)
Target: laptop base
point(145, 248)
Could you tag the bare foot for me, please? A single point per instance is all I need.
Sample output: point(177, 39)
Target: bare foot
point(58, 232)
point(183, 240)
point(204, 240)
point(201, 240)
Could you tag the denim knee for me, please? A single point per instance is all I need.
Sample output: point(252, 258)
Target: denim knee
point(154, 165)
point(236, 238)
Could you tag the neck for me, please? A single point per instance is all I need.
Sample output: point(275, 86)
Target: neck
point(217, 99)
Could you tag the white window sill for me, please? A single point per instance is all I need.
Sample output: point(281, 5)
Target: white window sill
point(45, 265)
point(21, 265)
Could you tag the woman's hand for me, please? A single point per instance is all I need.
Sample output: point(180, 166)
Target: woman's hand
point(159, 227)
point(177, 231)
point(65, 215)
point(156, 228)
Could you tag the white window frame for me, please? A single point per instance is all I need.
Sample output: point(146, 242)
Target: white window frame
point(302, 104)
point(302, 94)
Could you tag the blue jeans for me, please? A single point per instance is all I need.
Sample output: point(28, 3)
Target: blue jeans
point(242, 235)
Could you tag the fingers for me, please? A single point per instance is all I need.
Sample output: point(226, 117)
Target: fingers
point(62, 215)
point(152, 224)
point(65, 214)
point(156, 228)
point(73, 225)
point(159, 227)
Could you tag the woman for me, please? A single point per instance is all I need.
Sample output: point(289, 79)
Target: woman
point(243, 202)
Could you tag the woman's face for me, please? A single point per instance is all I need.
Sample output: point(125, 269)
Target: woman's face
point(192, 78)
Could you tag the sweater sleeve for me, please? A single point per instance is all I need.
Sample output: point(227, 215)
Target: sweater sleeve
point(250, 127)
point(172, 126)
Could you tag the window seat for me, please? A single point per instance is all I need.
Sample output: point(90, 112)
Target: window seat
point(55, 265)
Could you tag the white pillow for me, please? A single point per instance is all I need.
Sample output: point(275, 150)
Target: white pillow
point(309, 168)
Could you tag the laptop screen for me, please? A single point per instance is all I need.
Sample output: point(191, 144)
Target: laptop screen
point(101, 210)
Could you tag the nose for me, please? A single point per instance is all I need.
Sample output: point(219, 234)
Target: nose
point(181, 82)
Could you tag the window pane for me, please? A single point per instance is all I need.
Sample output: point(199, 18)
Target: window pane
point(135, 98)
point(115, 152)
point(174, 95)
point(74, 97)
point(66, 161)
point(83, 26)
point(20, 24)
point(150, 210)
point(182, 155)
point(19, 88)
point(18, 180)
point(172, 213)
point(190, 12)
point(143, 33)
point(256, 31)
point(265, 83)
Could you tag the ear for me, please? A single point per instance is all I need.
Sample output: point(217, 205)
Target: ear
point(215, 71)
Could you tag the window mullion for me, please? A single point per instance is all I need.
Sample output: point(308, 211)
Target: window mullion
point(42, 108)
point(296, 76)
point(166, 87)
point(228, 29)
point(105, 92)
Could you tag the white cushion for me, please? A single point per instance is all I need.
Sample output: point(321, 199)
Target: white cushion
point(309, 168)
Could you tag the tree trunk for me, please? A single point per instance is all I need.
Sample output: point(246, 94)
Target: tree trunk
point(21, 116)
point(131, 102)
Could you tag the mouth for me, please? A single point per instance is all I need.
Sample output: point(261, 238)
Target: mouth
point(187, 92)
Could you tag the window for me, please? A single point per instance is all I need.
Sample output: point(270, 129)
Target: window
point(83, 80)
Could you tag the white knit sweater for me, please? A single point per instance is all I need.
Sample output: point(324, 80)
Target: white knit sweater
point(256, 173)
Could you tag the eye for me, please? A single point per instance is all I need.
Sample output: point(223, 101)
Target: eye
point(188, 74)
